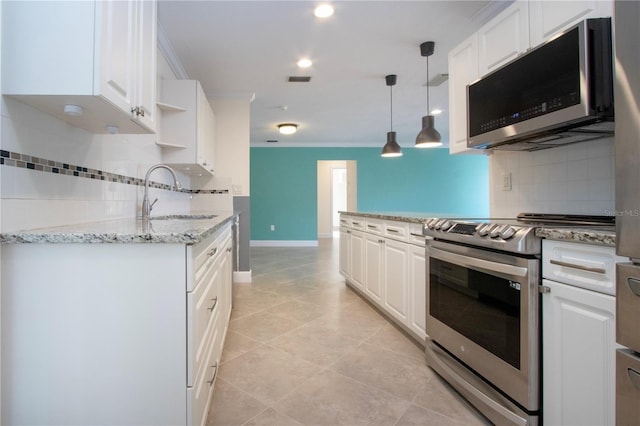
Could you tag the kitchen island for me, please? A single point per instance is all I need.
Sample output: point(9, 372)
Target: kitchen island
point(115, 322)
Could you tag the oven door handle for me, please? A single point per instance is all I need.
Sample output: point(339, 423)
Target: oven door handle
point(478, 264)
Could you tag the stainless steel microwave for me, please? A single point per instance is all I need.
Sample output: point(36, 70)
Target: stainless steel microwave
point(557, 94)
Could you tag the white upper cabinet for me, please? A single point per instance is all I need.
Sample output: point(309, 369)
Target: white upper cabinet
point(187, 130)
point(548, 18)
point(99, 55)
point(504, 38)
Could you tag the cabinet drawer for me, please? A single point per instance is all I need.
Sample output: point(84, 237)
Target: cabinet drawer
point(202, 312)
point(345, 221)
point(627, 387)
point(396, 230)
point(374, 226)
point(415, 234)
point(199, 395)
point(581, 265)
point(358, 223)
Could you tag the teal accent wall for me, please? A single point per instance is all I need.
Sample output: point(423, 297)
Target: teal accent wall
point(284, 186)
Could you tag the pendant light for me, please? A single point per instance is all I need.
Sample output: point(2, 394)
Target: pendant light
point(391, 148)
point(428, 136)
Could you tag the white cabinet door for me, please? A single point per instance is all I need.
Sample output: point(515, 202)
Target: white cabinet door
point(503, 38)
point(86, 54)
point(358, 269)
point(374, 261)
point(578, 356)
point(115, 52)
point(396, 281)
point(417, 290)
point(146, 65)
point(463, 69)
point(345, 252)
point(548, 18)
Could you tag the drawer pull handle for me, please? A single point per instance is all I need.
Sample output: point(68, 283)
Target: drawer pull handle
point(371, 226)
point(229, 249)
point(634, 285)
point(634, 376)
point(355, 223)
point(393, 230)
point(215, 371)
point(417, 235)
point(212, 251)
point(580, 267)
point(215, 302)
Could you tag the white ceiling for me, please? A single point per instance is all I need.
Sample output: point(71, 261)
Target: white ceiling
point(248, 49)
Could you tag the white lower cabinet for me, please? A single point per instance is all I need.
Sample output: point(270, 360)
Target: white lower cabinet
point(417, 290)
point(114, 334)
point(579, 356)
point(387, 265)
point(578, 334)
point(396, 278)
point(374, 266)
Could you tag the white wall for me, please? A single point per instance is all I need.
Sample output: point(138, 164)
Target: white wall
point(577, 179)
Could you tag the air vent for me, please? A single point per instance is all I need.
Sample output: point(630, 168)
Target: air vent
point(438, 80)
point(299, 79)
point(271, 141)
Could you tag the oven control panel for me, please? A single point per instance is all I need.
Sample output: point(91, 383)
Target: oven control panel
point(498, 235)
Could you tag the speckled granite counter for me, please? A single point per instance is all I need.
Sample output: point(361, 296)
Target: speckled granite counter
point(410, 217)
point(604, 236)
point(171, 229)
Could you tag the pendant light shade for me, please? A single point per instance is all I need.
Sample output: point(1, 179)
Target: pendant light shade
point(428, 137)
point(391, 148)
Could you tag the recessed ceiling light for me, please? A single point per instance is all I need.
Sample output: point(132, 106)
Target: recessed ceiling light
point(287, 128)
point(436, 111)
point(73, 110)
point(304, 63)
point(323, 11)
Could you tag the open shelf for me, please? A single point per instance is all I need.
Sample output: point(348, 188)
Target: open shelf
point(170, 145)
point(168, 107)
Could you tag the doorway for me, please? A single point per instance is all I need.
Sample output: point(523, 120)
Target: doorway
point(337, 191)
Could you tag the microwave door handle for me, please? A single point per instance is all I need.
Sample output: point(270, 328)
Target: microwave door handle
point(478, 264)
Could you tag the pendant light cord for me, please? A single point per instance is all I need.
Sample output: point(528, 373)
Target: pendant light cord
point(428, 113)
point(391, 105)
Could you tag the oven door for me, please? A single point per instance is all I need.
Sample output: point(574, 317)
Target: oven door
point(483, 308)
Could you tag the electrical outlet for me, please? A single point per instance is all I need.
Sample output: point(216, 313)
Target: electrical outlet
point(272, 227)
point(506, 181)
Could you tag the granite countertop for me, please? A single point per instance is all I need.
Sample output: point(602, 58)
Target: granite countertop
point(170, 229)
point(604, 236)
point(411, 217)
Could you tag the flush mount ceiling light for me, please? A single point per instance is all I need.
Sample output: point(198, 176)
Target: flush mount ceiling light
point(428, 136)
point(304, 63)
point(73, 110)
point(391, 148)
point(287, 128)
point(323, 11)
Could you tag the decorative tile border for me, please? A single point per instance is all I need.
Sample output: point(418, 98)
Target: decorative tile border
point(23, 161)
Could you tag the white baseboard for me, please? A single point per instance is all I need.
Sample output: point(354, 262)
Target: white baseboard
point(283, 243)
point(241, 276)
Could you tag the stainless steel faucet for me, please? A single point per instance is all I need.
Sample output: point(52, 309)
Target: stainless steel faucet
point(146, 206)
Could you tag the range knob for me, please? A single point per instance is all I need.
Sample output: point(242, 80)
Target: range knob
point(495, 231)
point(483, 229)
point(432, 223)
point(507, 232)
point(438, 224)
point(445, 225)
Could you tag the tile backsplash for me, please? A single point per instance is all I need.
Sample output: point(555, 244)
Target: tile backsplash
point(54, 174)
point(577, 179)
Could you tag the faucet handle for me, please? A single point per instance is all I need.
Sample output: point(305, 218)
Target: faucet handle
point(152, 204)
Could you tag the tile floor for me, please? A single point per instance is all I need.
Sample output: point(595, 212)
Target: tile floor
point(304, 349)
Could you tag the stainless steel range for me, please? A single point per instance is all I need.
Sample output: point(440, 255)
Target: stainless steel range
point(483, 310)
